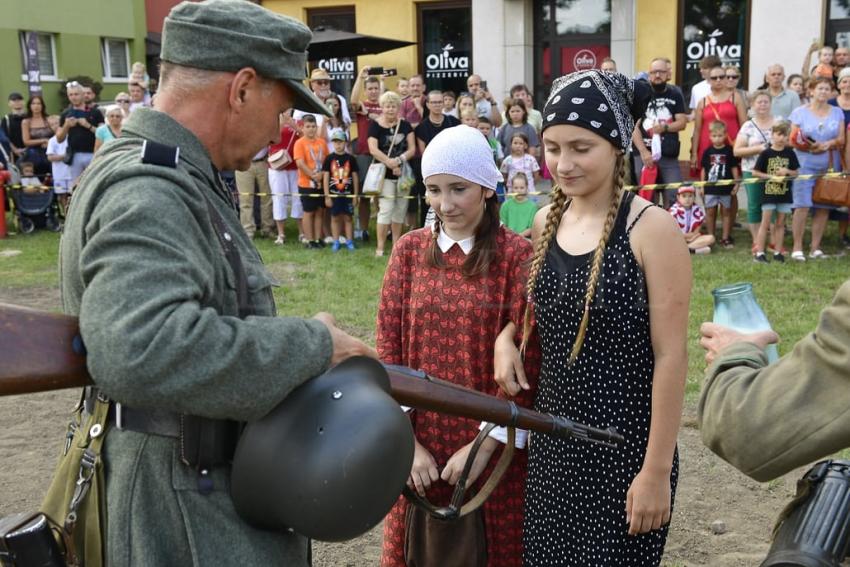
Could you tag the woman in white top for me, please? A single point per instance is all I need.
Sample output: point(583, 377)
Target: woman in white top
point(753, 138)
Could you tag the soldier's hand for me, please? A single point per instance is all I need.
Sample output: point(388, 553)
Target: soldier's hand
point(345, 346)
point(717, 337)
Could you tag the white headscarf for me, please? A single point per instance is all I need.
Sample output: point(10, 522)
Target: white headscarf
point(462, 151)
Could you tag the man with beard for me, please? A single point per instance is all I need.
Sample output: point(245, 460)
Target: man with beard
point(89, 96)
point(665, 116)
point(320, 84)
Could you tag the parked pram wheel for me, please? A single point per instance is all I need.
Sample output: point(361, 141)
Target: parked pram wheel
point(26, 225)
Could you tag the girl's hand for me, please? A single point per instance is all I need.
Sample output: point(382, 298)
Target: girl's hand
point(648, 502)
point(397, 171)
point(328, 202)
point(424, 470)
point(693, 162)
point(454, 467)
point(508, 368)
point(734, 189)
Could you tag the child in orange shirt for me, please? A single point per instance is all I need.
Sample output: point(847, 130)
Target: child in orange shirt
point(309, 153)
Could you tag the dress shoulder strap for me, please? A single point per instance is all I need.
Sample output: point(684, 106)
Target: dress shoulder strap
point(637, 218)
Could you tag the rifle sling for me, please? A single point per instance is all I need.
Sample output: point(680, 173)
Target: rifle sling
point(454, 510)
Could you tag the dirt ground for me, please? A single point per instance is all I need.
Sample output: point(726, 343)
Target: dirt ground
point(709, 489)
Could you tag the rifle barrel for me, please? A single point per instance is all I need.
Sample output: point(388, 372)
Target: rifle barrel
point(418, 390)
point(41, 351)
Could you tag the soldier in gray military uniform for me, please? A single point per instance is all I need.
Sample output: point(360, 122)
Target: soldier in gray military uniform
point(153, 259)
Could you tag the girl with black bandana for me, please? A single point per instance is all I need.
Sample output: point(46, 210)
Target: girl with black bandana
point(609, 287)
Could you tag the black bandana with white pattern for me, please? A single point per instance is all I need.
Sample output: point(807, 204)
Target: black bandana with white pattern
point(601, 102)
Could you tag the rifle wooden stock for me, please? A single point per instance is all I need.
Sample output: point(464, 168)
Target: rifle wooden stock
point(42, 351)
point(37, 351)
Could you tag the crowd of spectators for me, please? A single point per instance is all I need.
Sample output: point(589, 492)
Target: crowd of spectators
point(731, 129)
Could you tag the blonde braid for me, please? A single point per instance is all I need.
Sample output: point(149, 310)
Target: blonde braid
point(553, 219)
point(599, 257)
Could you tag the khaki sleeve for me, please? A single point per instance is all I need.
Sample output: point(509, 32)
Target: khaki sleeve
point(766, 420)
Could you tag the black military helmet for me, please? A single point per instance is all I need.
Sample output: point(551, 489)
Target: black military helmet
point(328, 462)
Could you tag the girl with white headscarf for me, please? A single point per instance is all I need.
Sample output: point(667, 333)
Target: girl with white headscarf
point(447, 293)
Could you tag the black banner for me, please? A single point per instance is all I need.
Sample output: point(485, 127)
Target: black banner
point(712, 27)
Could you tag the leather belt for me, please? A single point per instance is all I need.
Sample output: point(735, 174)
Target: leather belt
point(155, 422)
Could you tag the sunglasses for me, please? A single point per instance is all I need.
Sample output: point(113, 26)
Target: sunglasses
point(717, 77)
point(322, 82)
point(123, 101)
point(72, 84)
point(733, 76)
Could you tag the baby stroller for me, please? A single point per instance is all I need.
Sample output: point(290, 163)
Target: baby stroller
point(35, 207)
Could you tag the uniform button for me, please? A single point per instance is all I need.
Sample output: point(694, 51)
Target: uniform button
point(252, 280)
point(227, 236)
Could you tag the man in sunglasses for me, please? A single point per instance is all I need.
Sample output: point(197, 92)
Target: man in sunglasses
point(665, 116)
point(78, 123)
point(700, 90)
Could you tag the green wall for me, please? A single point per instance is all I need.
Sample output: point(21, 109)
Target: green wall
point(79, 27)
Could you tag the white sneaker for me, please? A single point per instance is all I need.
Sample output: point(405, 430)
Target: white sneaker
point(329, 240)
point(817, 254)
point(798, 256)
point(342, 240)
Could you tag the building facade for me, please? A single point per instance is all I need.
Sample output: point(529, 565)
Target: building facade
point(43, 43)
point(534, 41)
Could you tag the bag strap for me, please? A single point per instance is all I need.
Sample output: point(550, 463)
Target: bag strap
point(395, 133)
point(717, 116)
point(455, 510)
point(840, 161)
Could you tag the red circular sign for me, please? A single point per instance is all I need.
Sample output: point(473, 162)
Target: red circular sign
point(584, 59)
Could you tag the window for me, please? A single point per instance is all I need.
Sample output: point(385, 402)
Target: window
point(445, 44)
point(711, 27)
point(115, 55)
point(43, 48)
point(573, 35)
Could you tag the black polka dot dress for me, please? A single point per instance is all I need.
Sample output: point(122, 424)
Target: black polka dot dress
point(576, 491)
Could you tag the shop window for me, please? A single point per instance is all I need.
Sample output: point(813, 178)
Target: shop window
point(713, 27)
point(445, 45)
point(43, 49)
point(115, 56)
point(574, 35)
point(343, 70)
point(838, 23)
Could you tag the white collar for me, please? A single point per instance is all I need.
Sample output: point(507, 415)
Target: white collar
point(445, 242)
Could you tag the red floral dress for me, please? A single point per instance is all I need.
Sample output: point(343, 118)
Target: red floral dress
point(437, 320)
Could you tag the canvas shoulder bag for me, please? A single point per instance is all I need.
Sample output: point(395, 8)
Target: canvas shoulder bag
point(373, 184)
point(283, 157)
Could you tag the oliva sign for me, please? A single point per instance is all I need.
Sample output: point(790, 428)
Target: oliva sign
point(338, 68)
point(444, 62)
point(697, 50)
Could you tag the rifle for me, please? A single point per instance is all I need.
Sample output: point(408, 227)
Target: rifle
point(44, 351)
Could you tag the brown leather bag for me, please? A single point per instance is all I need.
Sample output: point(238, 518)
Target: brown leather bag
point(432, 542)
point(832, 190)
point(455, 535)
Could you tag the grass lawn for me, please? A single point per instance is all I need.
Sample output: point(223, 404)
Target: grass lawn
point(347, 284)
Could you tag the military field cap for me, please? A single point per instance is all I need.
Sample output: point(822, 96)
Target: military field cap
point(228, 35)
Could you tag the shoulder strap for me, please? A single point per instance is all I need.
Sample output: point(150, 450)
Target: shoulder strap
point(637, 218)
